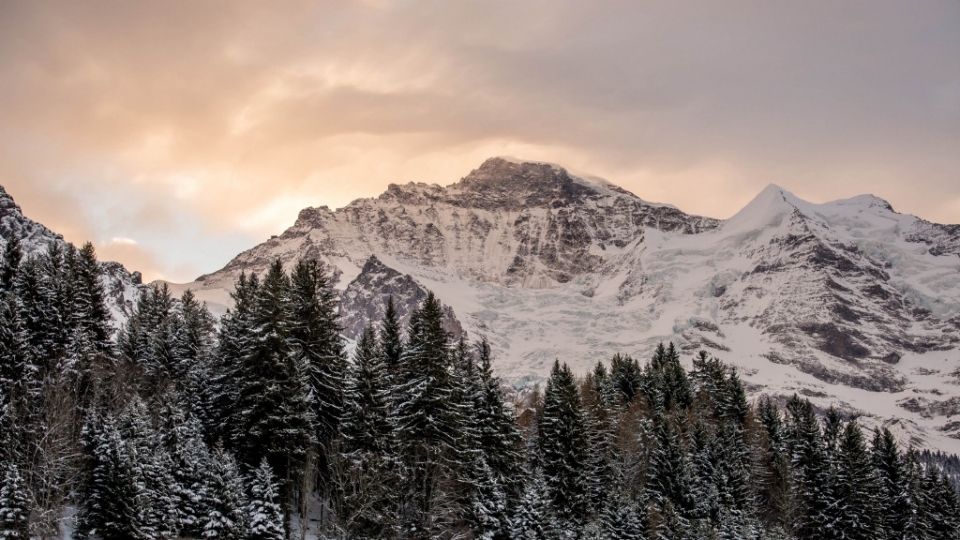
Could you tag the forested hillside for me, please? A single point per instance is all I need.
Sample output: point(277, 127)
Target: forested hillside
point(260, 426)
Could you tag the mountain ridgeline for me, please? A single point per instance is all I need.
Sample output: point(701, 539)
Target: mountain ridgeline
point(263, 427)
point(847, 303)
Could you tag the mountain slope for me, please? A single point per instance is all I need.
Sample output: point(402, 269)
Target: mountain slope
point(848, 303)
point(121, 285)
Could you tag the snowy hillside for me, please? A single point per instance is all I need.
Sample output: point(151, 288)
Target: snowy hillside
point(848, 303)
point(121, 285)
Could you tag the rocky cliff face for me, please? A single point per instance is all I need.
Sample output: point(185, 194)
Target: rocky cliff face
point(848, 303)
point(121, 285)
point(529, 225)
point(364, 301)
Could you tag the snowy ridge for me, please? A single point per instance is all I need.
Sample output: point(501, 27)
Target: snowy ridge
point(847, 303)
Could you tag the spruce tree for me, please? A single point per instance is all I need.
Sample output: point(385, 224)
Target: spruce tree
point(895, 503)
point(858, 487)
point(10, 263)
point(227, 515)
point(499, 438)
point(943, 507)
point(534, 518)
point(263, 510)
point(620, 519)
point(113, 502)
point(39, 312)
point(314, 338)
point(221, 417)
point(777, 493)
point(563, 448)
point(427, 415)
point(626, 378)
point(89, 313)
point(391, 339)
point(14, 505)
point(601, 429)
point(367, 424)
point(666, 383)
point(274, 398)
point(367, 475)
point(670, 475)
point(811, 463)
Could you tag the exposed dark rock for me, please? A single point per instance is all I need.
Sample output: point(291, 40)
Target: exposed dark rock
point(365, 299)
point(835, 341)
point(929, 409)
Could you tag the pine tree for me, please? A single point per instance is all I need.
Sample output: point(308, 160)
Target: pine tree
point(670, 480)
point(563, 447)
point(626, 378)
point(367, 475)
point(391, 340)
point(263, 511)
point(620, 519)
point(534, 518)
point(427, 414)
point(314, 338)
point(14, 505)
point(226, 517)
point(858, 486)
point(114, 504)
point(812, 466)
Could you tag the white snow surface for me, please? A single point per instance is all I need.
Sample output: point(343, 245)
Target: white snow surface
point(740, 290)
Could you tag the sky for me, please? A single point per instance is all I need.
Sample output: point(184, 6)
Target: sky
point(174, 135)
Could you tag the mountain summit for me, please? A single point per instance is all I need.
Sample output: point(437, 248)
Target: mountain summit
point(528, 225)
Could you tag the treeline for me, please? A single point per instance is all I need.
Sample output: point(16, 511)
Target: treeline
point(261, 426)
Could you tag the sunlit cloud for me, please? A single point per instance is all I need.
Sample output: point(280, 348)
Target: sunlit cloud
point(199, 132)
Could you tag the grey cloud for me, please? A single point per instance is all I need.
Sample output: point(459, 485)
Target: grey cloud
point(257, 104)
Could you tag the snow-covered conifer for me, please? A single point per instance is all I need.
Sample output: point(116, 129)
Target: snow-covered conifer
point(263, 510)
point(563, 447)
point(14, 505)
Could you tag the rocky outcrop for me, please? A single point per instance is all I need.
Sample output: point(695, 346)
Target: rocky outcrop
point(364, 301)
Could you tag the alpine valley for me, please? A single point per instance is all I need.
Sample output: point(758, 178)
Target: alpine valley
point(846, 303)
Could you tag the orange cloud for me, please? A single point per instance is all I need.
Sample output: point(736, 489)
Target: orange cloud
point(199, 130)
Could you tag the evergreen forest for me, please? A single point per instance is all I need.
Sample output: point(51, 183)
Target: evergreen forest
point(261, 426)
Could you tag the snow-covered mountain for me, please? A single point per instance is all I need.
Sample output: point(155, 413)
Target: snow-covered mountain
point(847, 303)
point(121, 285)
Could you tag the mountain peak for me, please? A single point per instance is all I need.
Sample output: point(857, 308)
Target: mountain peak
point(514, 183)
